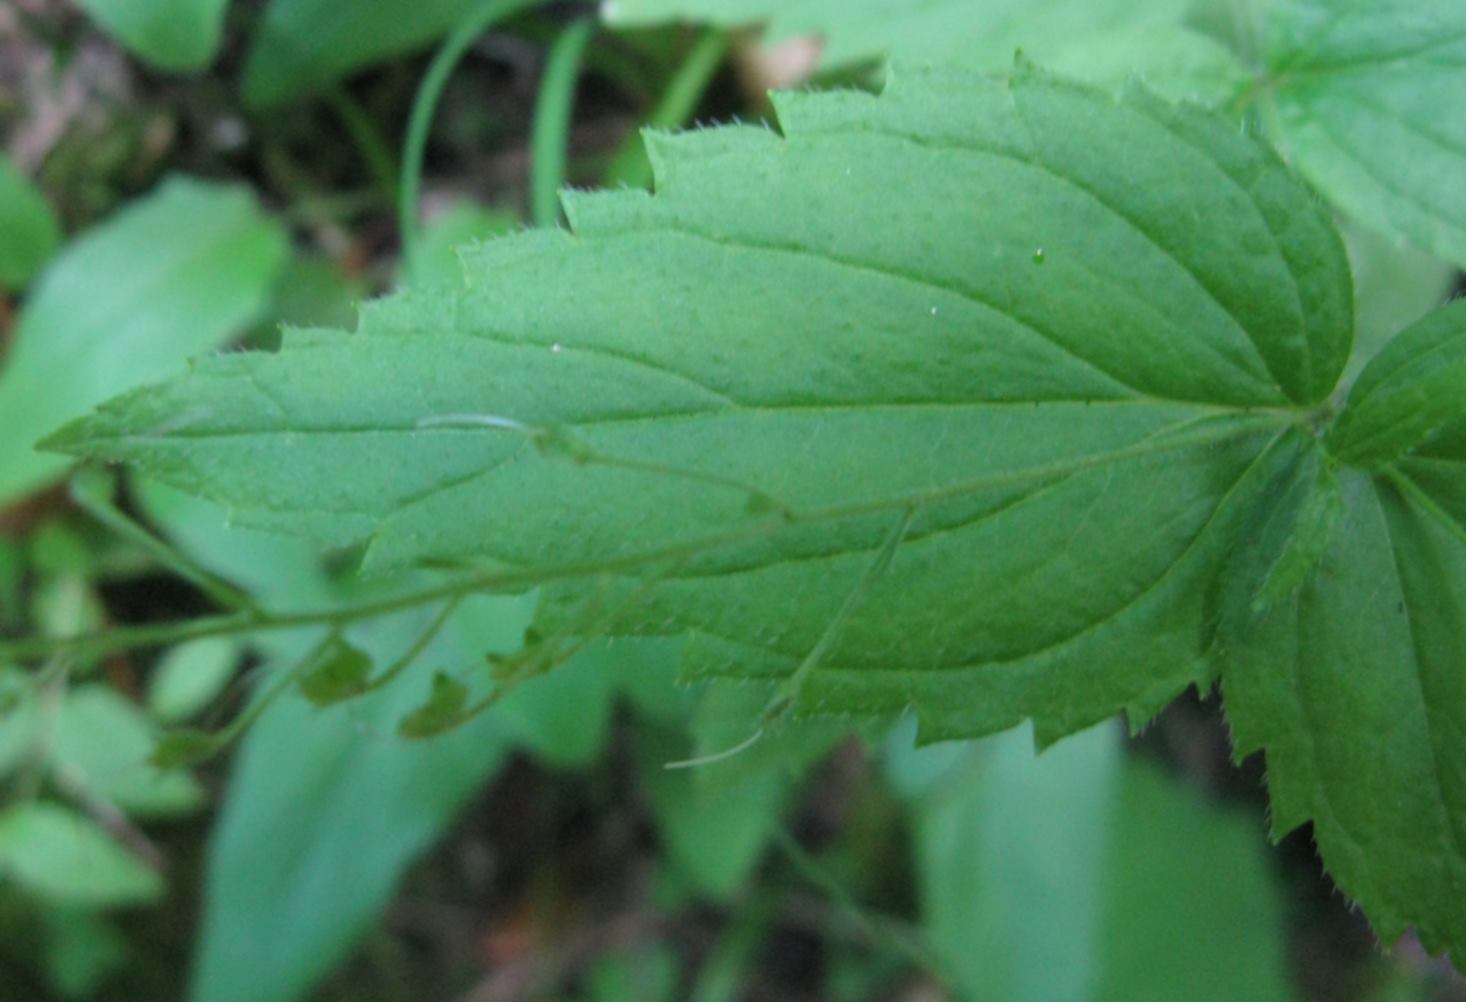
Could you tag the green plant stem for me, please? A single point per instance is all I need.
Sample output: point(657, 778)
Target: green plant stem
point(630, 166)
point(1196, 433)
point(554, 109)
point(274, 689)
point(368, 139)
point(93, 490)
point(425, 104)
point(908, 945)
point(405, 661)
point(791, 689)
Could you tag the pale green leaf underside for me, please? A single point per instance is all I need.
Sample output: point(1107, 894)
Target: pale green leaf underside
point(1366, 98)
point(1049, 350)
point(1109, 40)
point(964, 398)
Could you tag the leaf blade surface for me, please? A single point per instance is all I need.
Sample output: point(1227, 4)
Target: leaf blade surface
point(1358, 89)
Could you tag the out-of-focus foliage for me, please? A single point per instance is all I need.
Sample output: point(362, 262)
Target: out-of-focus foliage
point(1061, 876)
point(176, 273)
point(29, 231)
point(303, 46)
point(175, 35)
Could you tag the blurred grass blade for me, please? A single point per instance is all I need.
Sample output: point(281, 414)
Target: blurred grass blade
point(420, 121)
point(554, 110)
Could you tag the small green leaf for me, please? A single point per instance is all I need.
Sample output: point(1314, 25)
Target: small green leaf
point(29, 230)
point(190, 676)
point(103, 743)
point(66, 859)
point(1408, 393)
point(443, 711)
point(176, 35)
point(181, 749)
point(338, 672)
point(176, 273)
point(1360, 92)
point(82, 951)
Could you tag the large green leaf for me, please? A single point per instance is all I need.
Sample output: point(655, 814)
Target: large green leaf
point(29, 230)
point(174, 35)
point(984, 32)
point(172, 275)
point(1056, 877)
point(998, 400)
point(1363, 94)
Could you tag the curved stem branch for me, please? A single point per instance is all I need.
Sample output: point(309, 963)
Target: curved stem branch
point(425, 104)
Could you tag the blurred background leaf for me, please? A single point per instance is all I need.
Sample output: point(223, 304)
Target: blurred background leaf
point(1083, 874)
point(302, 46)
point(29, 230)
point(172, 275)
point(65, 858)
point(175, 35)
